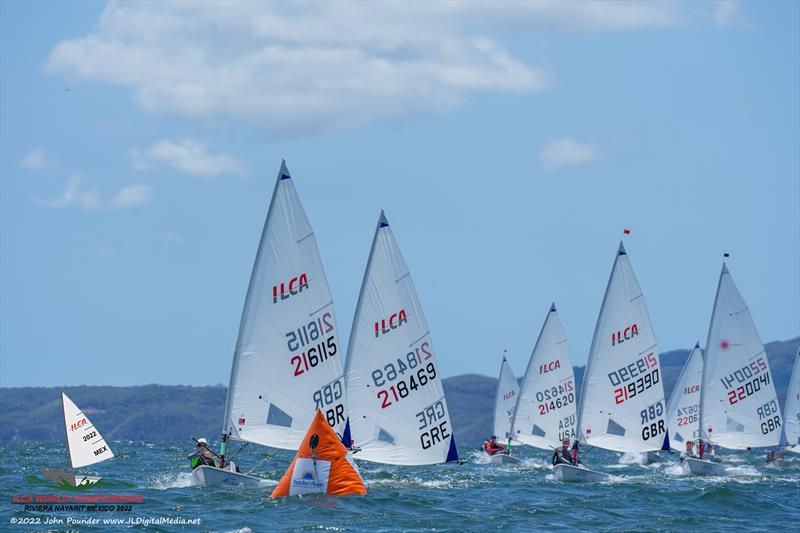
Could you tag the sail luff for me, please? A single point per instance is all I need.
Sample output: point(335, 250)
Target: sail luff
point(740, 408)
point(287, 361)
point(678, 397)
point(227, 426)
point(791, 409)
point(85, 444)
point(622, 405)
point(545, 412)
point(507, 389)
point(397, 407)
point(587, 370)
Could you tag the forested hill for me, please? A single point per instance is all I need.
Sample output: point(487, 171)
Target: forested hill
point(175, 413)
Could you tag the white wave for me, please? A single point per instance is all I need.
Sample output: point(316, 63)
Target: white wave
point(674, 469)
point(171, 480)
point(633, 458)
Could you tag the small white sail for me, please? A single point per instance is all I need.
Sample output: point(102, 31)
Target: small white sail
point(504, 401)
point(546, 409)
point(738, 407)
point(86, 445)
point(288, 359)
point(398, 412)
point(622, 397)
point(684, 402)
point(791, 410)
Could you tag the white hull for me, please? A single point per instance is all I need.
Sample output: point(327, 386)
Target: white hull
point(211, 475)
point(698, 467)
point(503, 459)
point(578, 474)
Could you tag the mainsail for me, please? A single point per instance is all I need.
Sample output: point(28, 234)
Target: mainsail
point(684, 402)
point(791, 409)
point(738, 405)
point(622, 397)
point(398, 412)
point(86, 445)
point(504, 401)
point(288, 360)
point(545, 412)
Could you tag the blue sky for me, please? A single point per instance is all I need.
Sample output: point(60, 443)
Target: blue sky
point(139, 144)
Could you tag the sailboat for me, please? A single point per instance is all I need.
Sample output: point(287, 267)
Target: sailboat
point(504, 402)
point(738, 405)
point(86, 446)
point(684, 402)
point(545, 413)
point(791, 410)
point(397, 407)
point(622, 398)
point(288, 361)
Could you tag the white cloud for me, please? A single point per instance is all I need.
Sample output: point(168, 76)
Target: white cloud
point(188, 156)
point(74, 195)
point(727, 13)
point(299, 67)
point(90, 199)
point(132, 195)
point(567, 151)
point(37, 160)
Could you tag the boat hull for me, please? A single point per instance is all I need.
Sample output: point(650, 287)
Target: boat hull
point(699, 467)
point(211, 475)
point(503, 459)
point(578, 474)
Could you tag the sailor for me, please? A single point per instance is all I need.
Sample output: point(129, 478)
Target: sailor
point(689, 451)
point(562, 456)
point(575, 450)
point(205, 454)
point(492, 447)
point(701, 448)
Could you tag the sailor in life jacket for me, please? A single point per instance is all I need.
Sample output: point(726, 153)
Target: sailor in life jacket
point(491, 446)
point(689, 451)
point(203, 456)
point(563, 456)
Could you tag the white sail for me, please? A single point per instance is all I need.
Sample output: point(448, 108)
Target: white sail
point(86, 445)
point(398, 412)
point(546, 409)
point(288, 360)
point(684, 402)
point(738, 407)
point(622, 397)
point(504, 401)
point(791, 409)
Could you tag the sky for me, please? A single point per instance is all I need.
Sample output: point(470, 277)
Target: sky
point(509, 143)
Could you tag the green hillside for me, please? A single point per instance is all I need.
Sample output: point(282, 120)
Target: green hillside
point(175, 413)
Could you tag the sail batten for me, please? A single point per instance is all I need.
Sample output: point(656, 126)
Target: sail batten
point(86, 445)
point(288, 360)
point(622, 397)
point(397, 407)
point(739, 407)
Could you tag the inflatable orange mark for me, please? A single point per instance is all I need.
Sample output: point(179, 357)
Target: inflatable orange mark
point(321, 466)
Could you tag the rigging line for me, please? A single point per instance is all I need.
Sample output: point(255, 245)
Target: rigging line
point(262, 461)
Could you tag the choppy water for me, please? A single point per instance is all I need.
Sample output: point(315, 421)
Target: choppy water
point(475, 496)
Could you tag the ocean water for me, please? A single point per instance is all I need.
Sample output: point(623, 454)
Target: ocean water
point(475, 496)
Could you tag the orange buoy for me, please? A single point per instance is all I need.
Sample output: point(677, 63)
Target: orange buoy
point(321, 466)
